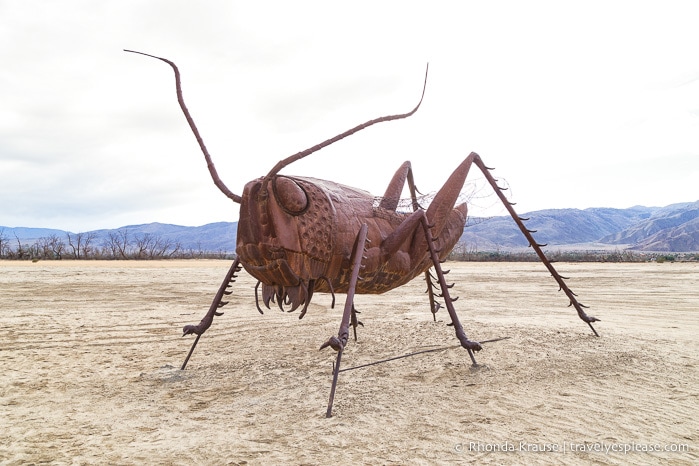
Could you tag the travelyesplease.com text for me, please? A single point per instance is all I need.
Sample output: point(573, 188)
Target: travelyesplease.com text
point(573, 447)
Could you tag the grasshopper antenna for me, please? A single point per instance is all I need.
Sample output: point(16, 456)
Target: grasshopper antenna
point(299, 155)
point(210, 164)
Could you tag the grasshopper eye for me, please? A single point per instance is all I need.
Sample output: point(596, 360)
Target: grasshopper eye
point(290, 196)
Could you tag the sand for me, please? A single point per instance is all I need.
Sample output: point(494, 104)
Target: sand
point(90, 355)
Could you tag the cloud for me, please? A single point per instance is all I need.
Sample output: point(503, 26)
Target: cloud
point(542, 90)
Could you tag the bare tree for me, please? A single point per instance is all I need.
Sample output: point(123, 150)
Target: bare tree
point(158, 247)
point(81, 243)
point(44, 247)
point(118, 243)
point(21, 252)
point(110, 244)
point(75, 242)
point(143, 244)
point(176, 249)
point(4, 243)
point(147, 246)
point(57, 246)
point(88, 240)
point(34, 251)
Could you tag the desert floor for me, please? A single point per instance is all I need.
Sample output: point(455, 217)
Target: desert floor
point(90, 355)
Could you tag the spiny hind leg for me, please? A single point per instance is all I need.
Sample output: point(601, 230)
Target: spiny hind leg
point(390, 201)
point(439, 213)
point(475, 158)
point(393, 192)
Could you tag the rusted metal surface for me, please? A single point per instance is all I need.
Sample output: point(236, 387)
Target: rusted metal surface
point(300, 235)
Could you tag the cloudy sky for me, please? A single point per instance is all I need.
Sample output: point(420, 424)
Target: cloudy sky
point(576, 104)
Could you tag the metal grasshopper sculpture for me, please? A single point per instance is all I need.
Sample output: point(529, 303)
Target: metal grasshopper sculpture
point(300, 235)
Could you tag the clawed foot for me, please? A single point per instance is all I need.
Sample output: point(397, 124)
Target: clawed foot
point(470, 345)
point(588, 320)
point(334, 343)
point(202, 326)
point(190, 329)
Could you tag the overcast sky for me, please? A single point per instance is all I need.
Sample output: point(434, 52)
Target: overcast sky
point(576, 104)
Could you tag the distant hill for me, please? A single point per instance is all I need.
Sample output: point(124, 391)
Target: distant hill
point(213, 237)
point(29, 235)
point(674, 228)
point(554, 226)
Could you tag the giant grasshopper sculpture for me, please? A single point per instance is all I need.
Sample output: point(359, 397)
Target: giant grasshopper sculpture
point(300, 235)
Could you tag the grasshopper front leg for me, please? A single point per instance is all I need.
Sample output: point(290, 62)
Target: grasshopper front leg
point(216, 304)
point(338, 342)
point(470, 346)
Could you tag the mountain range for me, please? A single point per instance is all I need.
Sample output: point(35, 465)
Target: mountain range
point(673, 228)
point(213, 237)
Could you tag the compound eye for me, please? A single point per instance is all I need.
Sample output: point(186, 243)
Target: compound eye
point(290, 196)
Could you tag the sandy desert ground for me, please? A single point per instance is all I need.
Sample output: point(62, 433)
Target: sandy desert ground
point(90, 355)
